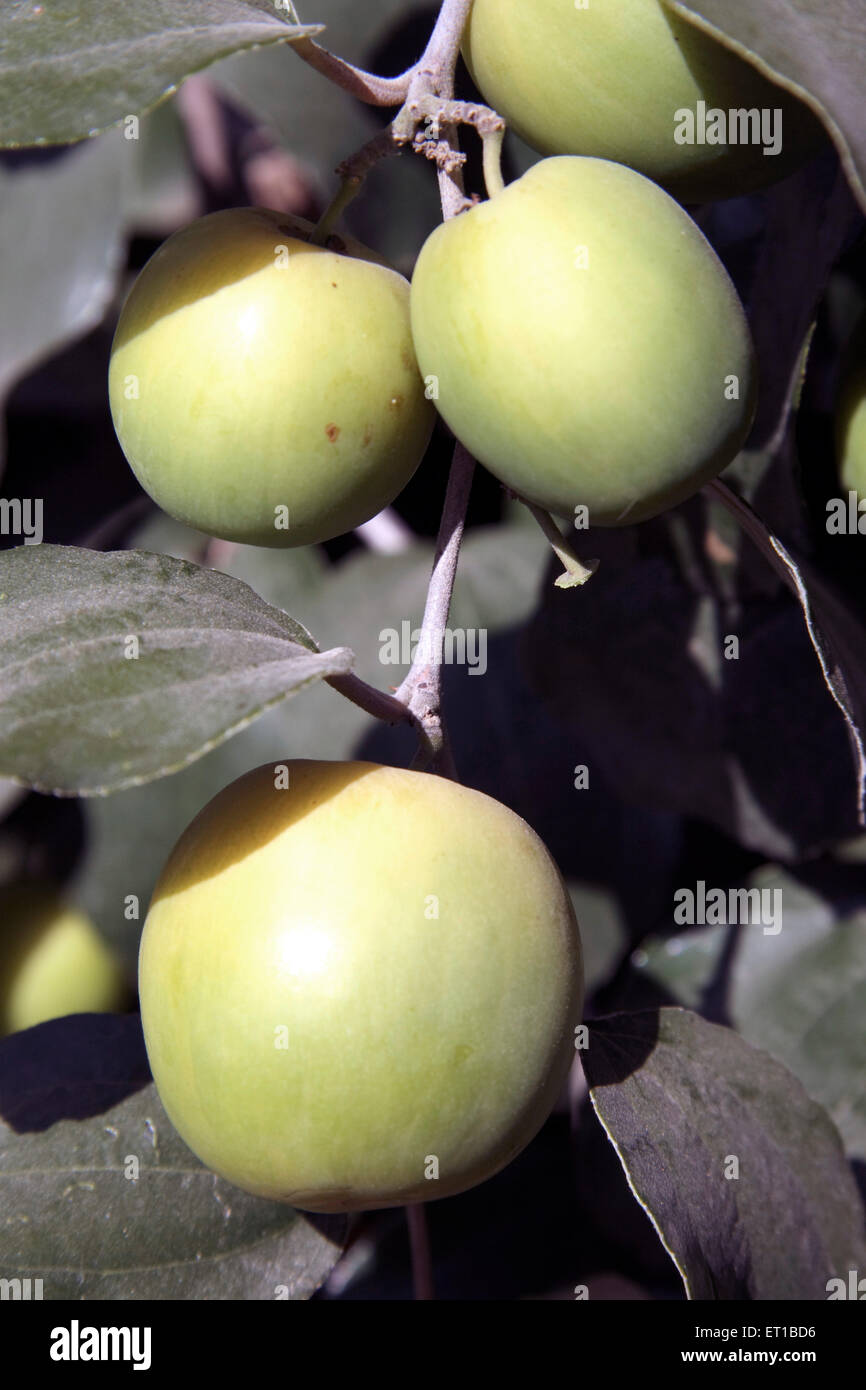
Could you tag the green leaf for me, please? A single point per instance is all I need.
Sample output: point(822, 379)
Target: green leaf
point(684, 964)
point(813, 48)
point(799, 993)
point(351, 603)
point(71, 68)
point(115, 1206)
point(125, 666)
point(681, 1099)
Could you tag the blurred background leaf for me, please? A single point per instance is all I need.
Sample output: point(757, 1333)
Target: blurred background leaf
point(61, 229)
point(799, 994)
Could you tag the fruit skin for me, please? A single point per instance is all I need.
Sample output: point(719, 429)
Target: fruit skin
point(851, 415)
point(409, 1035)
point(53, 961)
point(268, 379)
point(602, 386)
point(608, 81)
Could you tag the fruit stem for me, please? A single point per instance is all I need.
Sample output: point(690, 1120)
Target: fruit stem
point(436, 68)
point(493, 180)
point(433, 748)
point(428, 91)
point(421, 691)
point(419, 1244)
point(425, 94)
point(577, 571)
point(366, 86)
point(375, 702)
point(439, 60)
point(349, 189)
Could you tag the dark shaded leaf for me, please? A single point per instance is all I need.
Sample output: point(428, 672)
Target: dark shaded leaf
point(116, 1206)
point(808, 220)
point(635, 666)
point(70, 1068)
point(680, 1099)
point(836, 634)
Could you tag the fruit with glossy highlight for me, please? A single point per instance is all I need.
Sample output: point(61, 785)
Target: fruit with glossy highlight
point(358, 989)
point(264, 389)
point(585, 342)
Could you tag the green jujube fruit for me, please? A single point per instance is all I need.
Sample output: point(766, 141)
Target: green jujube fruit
point(610, 79)
point(359, 985)
point(264, 389)
point(53, 961)
point(583, 340)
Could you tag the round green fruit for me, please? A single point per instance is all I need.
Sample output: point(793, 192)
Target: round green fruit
point(358, 989)
point(53, 961)
point(264, 389)
point(851, 415)
point(585, 342)
point(612, 80)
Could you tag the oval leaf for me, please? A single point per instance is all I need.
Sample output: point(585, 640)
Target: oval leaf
point(71, 70)
point(115, 1206)
point(680, 1099)
point(122, 667)
point(811, 47)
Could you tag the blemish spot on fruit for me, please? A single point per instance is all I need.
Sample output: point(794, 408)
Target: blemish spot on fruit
point(396, 402)
point(368, 436)
point(333, 284)
point(333, 432)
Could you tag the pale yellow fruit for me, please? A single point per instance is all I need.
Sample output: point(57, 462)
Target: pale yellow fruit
point(608, 80)
point(264, 389)
point(53, 961)
point(359, 990)
point(585, 342)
